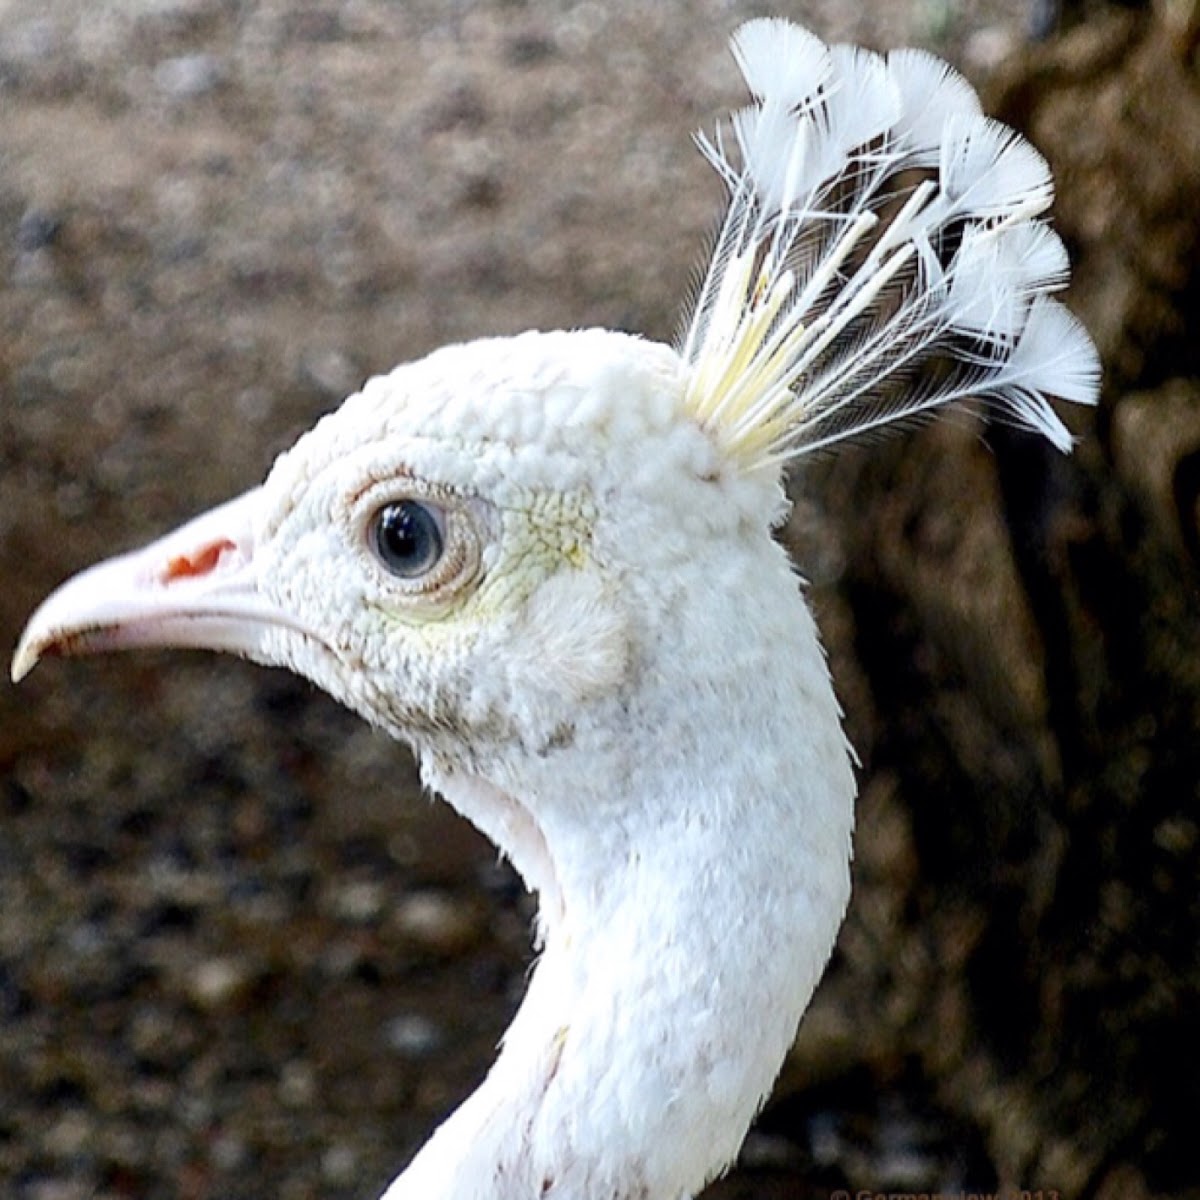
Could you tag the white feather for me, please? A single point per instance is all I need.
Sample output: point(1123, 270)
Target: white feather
point(780, 62)
point(987, 170)
point(863, 103)
point(931, 91)
point(1055, 355)
point(877, 223)
point(998, 270)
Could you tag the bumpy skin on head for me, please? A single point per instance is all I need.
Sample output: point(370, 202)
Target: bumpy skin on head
point(559, 456)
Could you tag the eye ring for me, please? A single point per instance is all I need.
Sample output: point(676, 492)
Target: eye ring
point(431, 551)
point(407, 538)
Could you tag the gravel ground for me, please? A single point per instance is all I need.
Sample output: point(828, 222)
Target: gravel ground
point(240, 954)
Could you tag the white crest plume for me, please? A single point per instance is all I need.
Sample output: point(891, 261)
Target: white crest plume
point(882, 256)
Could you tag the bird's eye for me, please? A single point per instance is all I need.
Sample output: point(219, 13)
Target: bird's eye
point(406, 537)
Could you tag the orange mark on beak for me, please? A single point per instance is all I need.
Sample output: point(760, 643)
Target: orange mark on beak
point(188, 566)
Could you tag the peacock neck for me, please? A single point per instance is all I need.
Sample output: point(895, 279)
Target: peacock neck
point(692, 872)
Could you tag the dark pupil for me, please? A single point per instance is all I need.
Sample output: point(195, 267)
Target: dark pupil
point(407, 538)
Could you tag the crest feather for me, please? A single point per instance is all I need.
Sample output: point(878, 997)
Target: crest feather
point(883, 255)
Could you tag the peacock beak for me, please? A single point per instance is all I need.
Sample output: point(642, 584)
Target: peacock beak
point(195, 587)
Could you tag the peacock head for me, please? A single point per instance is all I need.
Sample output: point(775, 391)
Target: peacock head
point(469, 550)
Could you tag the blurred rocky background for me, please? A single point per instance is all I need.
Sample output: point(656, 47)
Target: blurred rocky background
point(240, 954)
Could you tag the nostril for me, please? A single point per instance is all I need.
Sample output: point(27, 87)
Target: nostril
point(188, 566)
